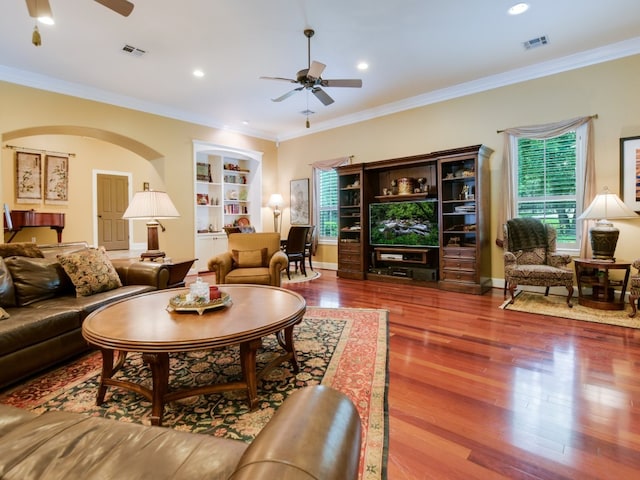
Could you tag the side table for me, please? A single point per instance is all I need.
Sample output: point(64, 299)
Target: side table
point(178, 269)
point(606, 293)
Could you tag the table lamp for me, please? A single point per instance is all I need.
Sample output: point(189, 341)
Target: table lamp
point(276, 201)
point(604, 235)
point(151, 205)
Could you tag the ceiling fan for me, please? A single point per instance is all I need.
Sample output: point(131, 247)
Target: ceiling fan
point(310, 78)
point(40, 8)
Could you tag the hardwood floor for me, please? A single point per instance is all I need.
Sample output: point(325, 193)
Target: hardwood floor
point(476, 392)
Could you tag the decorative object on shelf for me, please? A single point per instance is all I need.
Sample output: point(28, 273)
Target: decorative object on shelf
point(300, 214)
point(604, 235)
point(276, 201)
point(232, 195)
point(28, 177)
point(203, 172)
point(56, 180)
point(406, 185)
point(202, 199)
point(151, 205)
point(630, 172)
point(243, 222)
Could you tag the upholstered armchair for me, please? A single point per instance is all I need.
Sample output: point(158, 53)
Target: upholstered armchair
point(530, 257)
point(634, 288)
point(250, 258)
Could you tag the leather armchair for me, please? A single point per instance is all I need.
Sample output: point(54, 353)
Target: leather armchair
point(251, 258)
point(530, 257)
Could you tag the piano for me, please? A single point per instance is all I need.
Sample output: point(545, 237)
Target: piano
point(16, 220)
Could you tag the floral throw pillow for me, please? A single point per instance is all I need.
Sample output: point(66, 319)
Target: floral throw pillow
point(91, 271)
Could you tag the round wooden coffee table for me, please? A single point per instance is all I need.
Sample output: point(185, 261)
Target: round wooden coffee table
point(144, 324)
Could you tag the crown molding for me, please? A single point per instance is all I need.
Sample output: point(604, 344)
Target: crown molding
point(571, 62)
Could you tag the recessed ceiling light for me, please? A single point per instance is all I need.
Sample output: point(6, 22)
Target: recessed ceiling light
point(363, 66)
point(245, 122)
point(518, 8)
point(198, 73)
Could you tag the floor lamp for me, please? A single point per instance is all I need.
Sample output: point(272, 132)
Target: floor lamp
point(151, 205)
point(276, 201)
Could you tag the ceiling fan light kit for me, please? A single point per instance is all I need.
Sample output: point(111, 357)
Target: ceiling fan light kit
point(310, 79)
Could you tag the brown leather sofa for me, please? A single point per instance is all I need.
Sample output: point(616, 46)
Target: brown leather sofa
point(250, 258)
point(315, 434)
point(44, 314)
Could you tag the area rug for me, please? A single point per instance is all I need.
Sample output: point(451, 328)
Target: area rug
point(556, 306)
point(346, 349)
point(298, 277)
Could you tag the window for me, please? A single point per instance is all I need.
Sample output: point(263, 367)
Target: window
point(327, 191)
point(547, 170)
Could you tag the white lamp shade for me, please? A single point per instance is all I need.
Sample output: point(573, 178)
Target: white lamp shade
point(607, 205)
point(151, 204)
point(276, 200)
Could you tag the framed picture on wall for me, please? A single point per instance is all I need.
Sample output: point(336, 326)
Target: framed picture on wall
point(300, 205)
point(630, 172)
point(56, 180)
point(28, 177)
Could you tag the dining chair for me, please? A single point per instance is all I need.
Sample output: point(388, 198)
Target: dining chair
point(295, 248)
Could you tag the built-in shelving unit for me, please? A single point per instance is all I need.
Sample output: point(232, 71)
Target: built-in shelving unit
point(352, 226)
point(228, 191)
point(449, 248)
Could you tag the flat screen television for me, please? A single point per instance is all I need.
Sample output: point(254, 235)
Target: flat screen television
point(403, 224)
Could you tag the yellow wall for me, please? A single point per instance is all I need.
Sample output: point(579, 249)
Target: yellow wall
point(609, 90)
point(28, 108)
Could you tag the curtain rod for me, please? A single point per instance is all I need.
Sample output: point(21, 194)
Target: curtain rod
point(594, 116)
point(37, 150)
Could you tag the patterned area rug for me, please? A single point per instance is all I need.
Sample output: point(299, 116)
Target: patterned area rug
point(556, 306)
point(298, 277)
point(346, 349)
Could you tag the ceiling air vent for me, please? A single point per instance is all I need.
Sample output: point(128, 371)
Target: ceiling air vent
point(133, 51)
point(536, 42)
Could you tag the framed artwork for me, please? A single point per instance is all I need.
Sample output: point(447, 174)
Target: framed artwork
point(56, 180)
point(28, 177)
point(203, 172)
point(630, 172)
point(300, 206)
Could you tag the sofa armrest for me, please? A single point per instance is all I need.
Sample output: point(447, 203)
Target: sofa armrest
point(221, 264)
point(142, 273)
point(316, 433)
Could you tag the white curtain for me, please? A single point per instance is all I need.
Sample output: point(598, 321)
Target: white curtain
point(585, 163)
point(315, 190)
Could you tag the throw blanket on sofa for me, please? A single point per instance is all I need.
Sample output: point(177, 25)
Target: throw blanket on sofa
point(526, 233)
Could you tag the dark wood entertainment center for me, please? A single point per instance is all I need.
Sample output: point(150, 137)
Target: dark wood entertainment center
point(457, 182)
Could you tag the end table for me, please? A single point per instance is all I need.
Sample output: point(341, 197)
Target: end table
point(606, 293)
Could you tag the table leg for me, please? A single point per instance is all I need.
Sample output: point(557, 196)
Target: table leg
point(288, 346)
point(248, 362)
point(159, 364)
point(107, 372)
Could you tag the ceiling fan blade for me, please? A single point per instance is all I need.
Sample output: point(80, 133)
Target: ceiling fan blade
point(343, 82)
point(316, 69)
point(123, 7)
point(290, 80)
point(322, 96)
point(286, 95)
point(39, 8)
